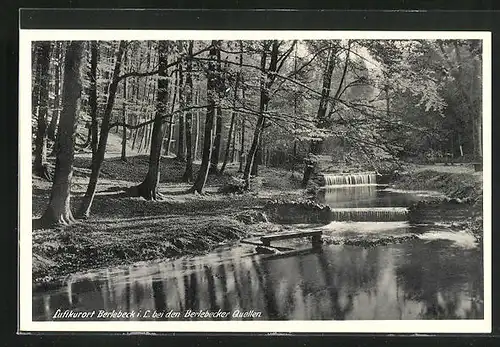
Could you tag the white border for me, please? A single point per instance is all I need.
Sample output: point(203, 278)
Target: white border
point(356, 326)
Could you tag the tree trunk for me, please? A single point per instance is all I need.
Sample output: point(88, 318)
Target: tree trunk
point(84, 210)
point(58, 211)
point(214, 159)
point(171, 124)
point(325, 90)
point(168, 133)
point(40, 165)
point(188, 174)
point(212, 82)
point(228, 143)
point(233, 143)
point(197, 136)
point(259, 154)
point(473, 110)
point(321, 120)
point(180, 137)
point(35, 96)
point(143, 130)
point(148, 189)
point(147, 138)
point(243, 128)
point(233, 116)
point(249, 165)
point(93, 97)
point(476, 114)
point(124, 128)
point(134, 136)
point(55, 109)
point(264, 100)
point(124, 117)
point(140, 135)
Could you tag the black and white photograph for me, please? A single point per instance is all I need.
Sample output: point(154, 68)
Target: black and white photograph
point(255, 181)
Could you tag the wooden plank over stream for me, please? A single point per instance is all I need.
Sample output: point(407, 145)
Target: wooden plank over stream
point(285, 236)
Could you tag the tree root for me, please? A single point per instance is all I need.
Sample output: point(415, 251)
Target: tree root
point(44, 172)
point(187, 177)
point(142, 190)
point(48, 220)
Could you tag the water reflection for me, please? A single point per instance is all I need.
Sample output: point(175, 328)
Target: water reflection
point(364, 196)
point(415, 280)
point(438, 276)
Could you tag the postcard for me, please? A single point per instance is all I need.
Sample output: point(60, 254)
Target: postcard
point(255, 181)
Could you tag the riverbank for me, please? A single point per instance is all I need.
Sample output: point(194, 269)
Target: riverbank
point(123, 229)
point(460, 184)
point(455, 182)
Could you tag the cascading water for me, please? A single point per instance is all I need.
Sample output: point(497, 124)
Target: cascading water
point(363, 178)
point(377, 214)
point(363, 202)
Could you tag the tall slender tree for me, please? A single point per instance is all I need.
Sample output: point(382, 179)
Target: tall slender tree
point(40, 167)
point(97, 160)
point(234, 114)
point(188, 174)
point(267, 80)
point(321, 118)
point(94, 51)
point(58, 211)
point(214, 159)
point(148, 189)
point(171, 123)
point(243, 128)
point(51, 132)
point(197, 135)
point(35, 92)
point(181, 90)
point(212, 81)
point(124, 116)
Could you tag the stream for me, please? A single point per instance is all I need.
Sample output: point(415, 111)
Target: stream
point(435, 274)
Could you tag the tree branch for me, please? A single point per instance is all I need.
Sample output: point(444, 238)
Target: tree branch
point(140, 125)
point(155, 71)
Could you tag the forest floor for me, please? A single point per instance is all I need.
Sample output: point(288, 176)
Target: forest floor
point(124, 229)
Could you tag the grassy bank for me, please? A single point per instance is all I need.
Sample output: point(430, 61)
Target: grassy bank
point(124, 229)
point(459, 183)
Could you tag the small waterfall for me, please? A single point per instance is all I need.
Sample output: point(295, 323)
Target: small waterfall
point(363, 178)
point(375, 214)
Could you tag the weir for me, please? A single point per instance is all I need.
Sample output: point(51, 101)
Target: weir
point(362, 178)
point(377, 214)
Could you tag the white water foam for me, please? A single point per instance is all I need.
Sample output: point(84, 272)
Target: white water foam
point(421, 193)
point(364, 227)
point(459, 238)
